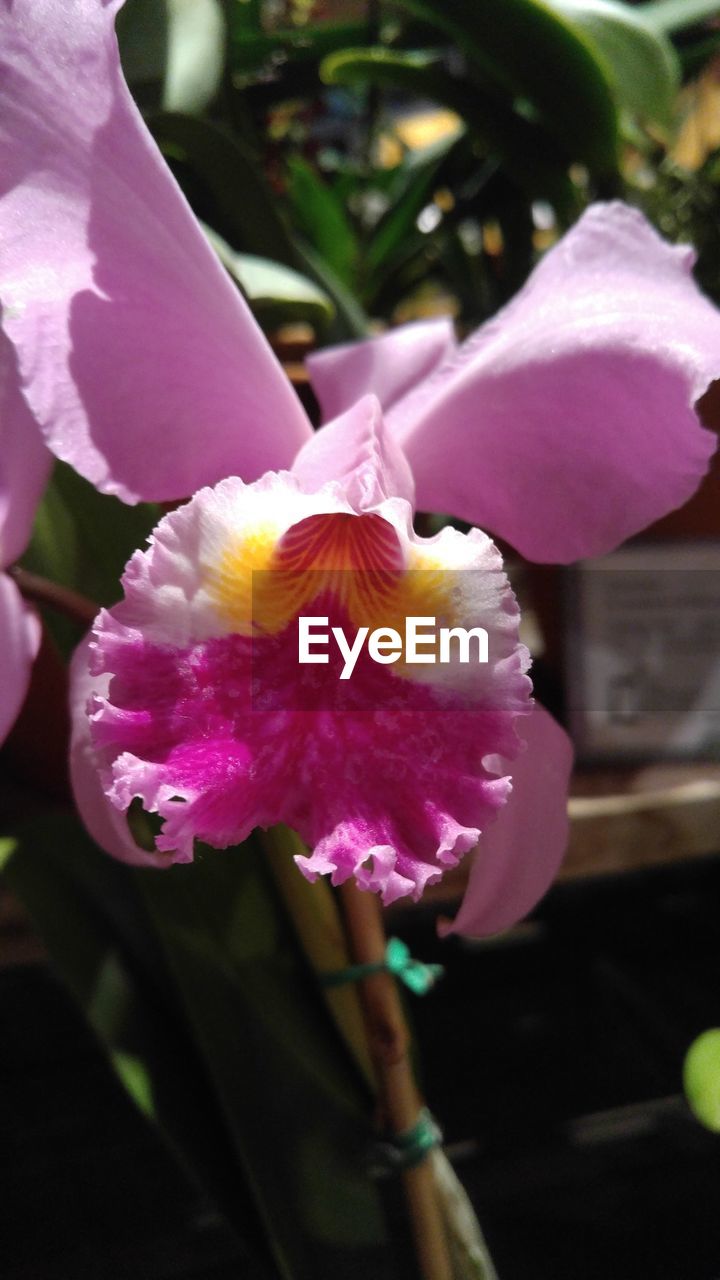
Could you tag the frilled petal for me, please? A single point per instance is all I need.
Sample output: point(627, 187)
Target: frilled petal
point(519, 855)
point(20, 637)
point(360, 453)
point(212, 722)
point(106, 824)
point(387, 366)
point(138, 357)
point(566, 423)
point(24, 461)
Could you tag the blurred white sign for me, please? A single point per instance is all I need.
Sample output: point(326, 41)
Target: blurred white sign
point(643, 660)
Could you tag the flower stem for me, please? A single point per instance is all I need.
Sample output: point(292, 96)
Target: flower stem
point(388, 1040)
point(62, 599)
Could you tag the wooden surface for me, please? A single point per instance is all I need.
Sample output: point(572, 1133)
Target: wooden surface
point(622, 820)
point(628, 819)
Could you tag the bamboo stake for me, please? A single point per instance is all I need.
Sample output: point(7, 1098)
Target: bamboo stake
point(320, 929)
point(388, 1040)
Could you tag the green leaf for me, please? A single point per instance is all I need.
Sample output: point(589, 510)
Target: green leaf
point(136, 1080)
point(251, 49)
point(669, 16)
point(535, 55)
point(701, 1078)
point(321, 217)
point(7, 849)
point(142, 32)
point(242, 207)
point(468, 1250)
point(43, 871)
point(234, 1026)
point(172, 51)
point(246, 213)
point(641, 63)
point(351, 321)
point(293, 1100)
point(525, 151)
point(396, 230)
point(88, 909)
point(196, 54)
point(277, 294)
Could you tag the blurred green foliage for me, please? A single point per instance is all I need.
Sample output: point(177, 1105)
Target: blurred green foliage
point(411, 156)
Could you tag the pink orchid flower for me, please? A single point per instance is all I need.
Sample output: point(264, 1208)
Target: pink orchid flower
point(564, 425)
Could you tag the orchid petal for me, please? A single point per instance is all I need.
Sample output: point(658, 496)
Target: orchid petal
point(357, 450)
point(566, 423)
point(139, 359)
point(387, 366)
point(24, 461)
point(518, 856)
point(107, 826)
point(20, 634)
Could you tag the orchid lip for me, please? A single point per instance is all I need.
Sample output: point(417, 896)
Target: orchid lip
point(209, 720)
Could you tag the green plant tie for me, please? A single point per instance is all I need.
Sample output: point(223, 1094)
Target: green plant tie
point(405, 1150)
point(417, 976)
